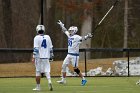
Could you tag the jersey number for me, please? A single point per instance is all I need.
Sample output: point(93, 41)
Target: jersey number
point(70, 43)
point(44, 43)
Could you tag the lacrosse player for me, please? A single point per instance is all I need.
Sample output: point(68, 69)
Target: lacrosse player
point(41, 54)
point(74, 41)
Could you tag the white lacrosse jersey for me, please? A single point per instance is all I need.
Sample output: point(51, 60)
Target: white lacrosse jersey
point(44, 44)
point(73, 44)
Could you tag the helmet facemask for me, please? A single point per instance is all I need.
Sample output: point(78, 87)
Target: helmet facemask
point(72, 30)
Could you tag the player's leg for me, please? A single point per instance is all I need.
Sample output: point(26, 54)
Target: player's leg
point(77, 70)
point(47, 67)
point(49, 81)
point(63, 71)
point(38, 73)
point(37, 81)
point(75, 60)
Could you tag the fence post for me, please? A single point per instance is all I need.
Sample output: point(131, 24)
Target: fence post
point(85, 63)
point(128, 61)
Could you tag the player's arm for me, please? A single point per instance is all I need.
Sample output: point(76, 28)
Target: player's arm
point(89, 35)
point(35, 49)
point(51, 50)
point(35, 52)
point(51, 55)
point(63, 28)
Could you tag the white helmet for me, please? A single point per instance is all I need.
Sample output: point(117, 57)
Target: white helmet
point(72, 30)
point(40, 27)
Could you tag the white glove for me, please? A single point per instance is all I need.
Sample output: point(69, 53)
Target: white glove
point(61, 25)
point(51, 55)
point(89, 35)
point(50, 59)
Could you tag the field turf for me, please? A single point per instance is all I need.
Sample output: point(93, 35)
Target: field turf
point(94, 85)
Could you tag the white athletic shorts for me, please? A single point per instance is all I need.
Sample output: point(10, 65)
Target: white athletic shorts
point(42, 65)
point(71, 59)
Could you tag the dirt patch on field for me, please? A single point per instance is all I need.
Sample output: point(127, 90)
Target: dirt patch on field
point(28, 69)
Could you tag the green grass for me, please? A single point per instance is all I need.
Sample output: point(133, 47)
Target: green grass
point(94, 85)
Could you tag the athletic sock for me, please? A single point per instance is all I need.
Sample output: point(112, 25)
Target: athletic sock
point(83, 78)
point(63, 79)
point(49, 81)
point(38, 85)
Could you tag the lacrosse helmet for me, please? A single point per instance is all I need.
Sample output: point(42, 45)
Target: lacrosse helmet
point(40, 28)
point(72, 30)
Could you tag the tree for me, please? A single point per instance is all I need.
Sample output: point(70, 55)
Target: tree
point(87, 25)
point(125, 25)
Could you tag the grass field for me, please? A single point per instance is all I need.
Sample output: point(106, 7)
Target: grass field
point(94, 85)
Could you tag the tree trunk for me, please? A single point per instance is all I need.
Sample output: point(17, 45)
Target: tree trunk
point(86, 28)
point(125, 25)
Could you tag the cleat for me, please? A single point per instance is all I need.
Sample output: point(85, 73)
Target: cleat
point(84, 82)
point(62, 82)
point(36, 89)
point(138, 82)
point(50, 87)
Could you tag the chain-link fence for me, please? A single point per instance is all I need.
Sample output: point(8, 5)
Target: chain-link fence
point(93, 62)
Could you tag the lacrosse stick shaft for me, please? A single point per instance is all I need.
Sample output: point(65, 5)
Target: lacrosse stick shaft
point(104, 16)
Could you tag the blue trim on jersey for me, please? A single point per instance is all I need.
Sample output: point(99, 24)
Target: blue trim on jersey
point(36, 50)
point(43, 58)
point(73, 54)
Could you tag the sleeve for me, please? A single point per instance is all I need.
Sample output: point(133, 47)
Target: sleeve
point(36, 42)
point(67, 33)
point(79, 39)
point(35, 49)
point(50, 42)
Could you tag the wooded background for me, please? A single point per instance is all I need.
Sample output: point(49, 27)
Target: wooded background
point(19, 18)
